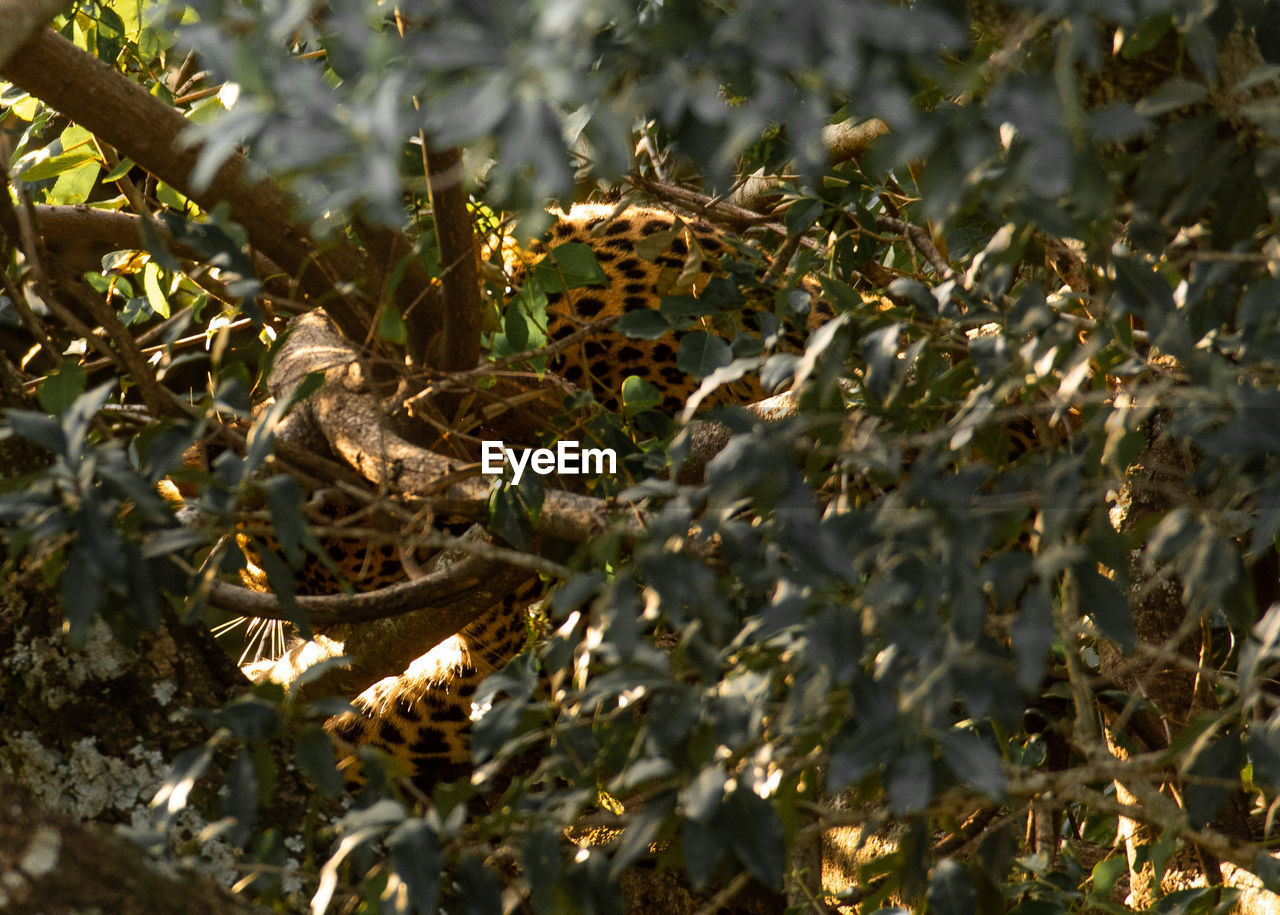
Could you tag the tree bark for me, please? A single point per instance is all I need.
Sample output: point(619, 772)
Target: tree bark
point(22, 19)
point(460, 275)
point(52, 865)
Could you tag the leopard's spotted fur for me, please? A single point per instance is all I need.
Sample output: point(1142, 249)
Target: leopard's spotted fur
point(693, 257)
point(421, 716)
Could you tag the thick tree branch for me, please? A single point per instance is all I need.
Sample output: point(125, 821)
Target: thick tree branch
point(460, 276)
point(351, 420)
point(51, 864)
point(142, 127)
point(719, 211)
point(374, 648)
point(22, 19)
point(83, 224)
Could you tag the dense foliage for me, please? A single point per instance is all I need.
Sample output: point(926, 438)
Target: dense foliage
point(983, 624)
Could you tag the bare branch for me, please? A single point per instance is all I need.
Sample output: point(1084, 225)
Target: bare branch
point(719, 211)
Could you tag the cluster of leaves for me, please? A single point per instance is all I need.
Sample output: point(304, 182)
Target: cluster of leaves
point(575, 78)
point(911, 593)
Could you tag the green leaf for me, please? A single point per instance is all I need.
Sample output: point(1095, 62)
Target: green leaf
point(1102, 600)
point(515, 334)
point(1140, 40)
point(217, 245)
point(702, 353)
point(642, 831)
point(909, 782)
point(59, 391)
point(38, 428)
point(284, 501)
point(651, 247)
point(121, 169)
point(250, 717)
point(1032, 635)
point(681, 310)
point(187, 768)
point(171, 197)
point(155, 295)
point(1105, 874)
point(974, 761)
point(998, 850)
point(109, 36)
point(391, 326)
point(570, 266)
point(643, 324)
point(1175, 93)
point(156, 247)
point(1219, 764)
point(951, 890)
point(479, 892)
point(802, 214)
point(1264, 753)
point(509, 515)
point(417, 858)
point(1267, 869)
point(81, 595)
point(283, 585)
point(703, 848)
point(74, 186)
point(880, 350)
point(836, 639)
point(639, 395)
point(59, 164)
point(1144, 292)
point(701, 798)
point(755, 834)
point(240, 798)
point(540, 865)
point(314, 753)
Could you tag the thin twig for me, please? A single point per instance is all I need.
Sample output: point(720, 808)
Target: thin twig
point(920, 239)
point(161, 400)
point(456, 379)
point(437, 590)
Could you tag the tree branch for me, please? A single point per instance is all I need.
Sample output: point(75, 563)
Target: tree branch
point(158, 399)
point(351, 421)
point(447, 593)
point(142, 127)
point(919, 238)
point(22, 19)
point(86, 225)
point(844, 141)
point(460, 275)
point(53, 864)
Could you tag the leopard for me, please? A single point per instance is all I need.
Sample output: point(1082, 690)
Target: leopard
point(420, 718)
